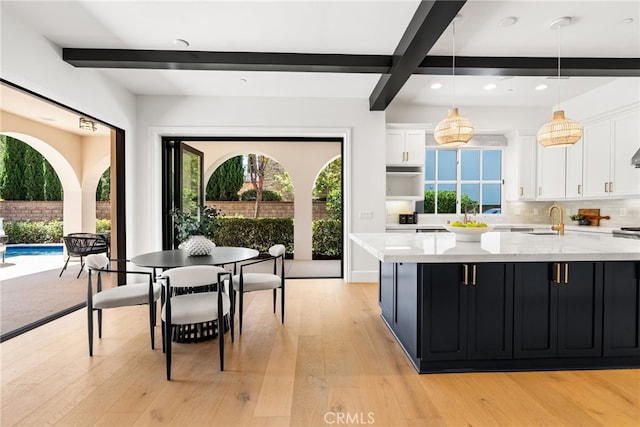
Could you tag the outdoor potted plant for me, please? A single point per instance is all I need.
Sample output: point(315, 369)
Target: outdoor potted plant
point(195, 228)
point(581, 219)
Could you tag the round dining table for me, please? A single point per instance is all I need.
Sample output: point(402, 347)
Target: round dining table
point(172, 258)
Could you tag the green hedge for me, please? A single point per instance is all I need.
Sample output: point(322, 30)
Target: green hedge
point(327, 238)
point(256, 233)
point(33, 231)
point(42, 232)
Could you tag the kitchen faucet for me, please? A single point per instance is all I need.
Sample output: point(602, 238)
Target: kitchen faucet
point(560, 227)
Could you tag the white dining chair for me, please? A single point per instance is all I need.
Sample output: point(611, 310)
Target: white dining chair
point(183, 306)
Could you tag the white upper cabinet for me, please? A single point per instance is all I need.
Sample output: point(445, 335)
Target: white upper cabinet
point(551, 173)
point(625, 178)
point(405, 147)
point(520, 166)
point(574, 186)
point(608, 147)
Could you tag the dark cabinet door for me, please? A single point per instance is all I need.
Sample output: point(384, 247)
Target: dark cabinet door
point(444, 301)
point(621, 333)
point(557, 309)
point(580, 309)
point(490, 312)
point(386, 291)
point(535, 311)
point(407, 305)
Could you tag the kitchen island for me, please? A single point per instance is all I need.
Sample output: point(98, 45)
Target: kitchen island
point(512, 301)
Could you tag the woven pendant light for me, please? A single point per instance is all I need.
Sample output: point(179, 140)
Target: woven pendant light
point(560, 131)
point(455, 130)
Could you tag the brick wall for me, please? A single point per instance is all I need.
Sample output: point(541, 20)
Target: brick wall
point(47, 211)
point(43, 211)
point(267, 210)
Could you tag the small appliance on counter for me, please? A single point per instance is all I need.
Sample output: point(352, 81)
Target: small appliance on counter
point(411, 218)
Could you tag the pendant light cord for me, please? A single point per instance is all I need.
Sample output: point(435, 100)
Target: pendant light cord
point(453, 66)
point(558, 88)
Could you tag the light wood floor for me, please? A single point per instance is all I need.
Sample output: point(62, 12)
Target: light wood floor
point(332, 363)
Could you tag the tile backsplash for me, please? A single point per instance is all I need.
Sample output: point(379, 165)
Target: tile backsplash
point(623, 212)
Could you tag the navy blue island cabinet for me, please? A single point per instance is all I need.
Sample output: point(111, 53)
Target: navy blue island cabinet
point(465, 317)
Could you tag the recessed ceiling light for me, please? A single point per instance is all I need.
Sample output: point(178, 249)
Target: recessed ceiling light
point(542, 87)
point(561, 22)
point(490, 86)
point(508, 21)
point(181, 43)
point(436, 86)
point(503, 78)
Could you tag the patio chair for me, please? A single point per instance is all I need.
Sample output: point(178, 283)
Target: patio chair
point(82, 245)
point(250, 282)
point(140, 289)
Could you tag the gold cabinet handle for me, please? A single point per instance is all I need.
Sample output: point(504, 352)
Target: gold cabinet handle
point(610, 186)
point(566, 273)
point(556, 267)
point(465, 273)
point(606, 187)
point(473, 275)
point(522, 191)
point(579, 188)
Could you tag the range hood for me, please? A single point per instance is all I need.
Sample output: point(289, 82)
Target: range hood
point(635, 159)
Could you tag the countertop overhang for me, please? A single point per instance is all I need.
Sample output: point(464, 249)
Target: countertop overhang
point(438, 247)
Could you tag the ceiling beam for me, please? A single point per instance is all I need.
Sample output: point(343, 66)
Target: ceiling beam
point(530, 66)
point(236, 61)
point(427, 25)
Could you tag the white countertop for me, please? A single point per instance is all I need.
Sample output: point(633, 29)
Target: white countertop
point(497, 246)
point(508, 227)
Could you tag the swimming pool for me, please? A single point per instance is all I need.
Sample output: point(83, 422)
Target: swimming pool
point(16, 250)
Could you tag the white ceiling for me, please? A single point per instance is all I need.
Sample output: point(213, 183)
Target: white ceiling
point(345, 27)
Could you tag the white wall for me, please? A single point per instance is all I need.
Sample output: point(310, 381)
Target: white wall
point(245, 116)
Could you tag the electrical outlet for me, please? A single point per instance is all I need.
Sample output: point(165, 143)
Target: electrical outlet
point(623, 211)
point(366, 215)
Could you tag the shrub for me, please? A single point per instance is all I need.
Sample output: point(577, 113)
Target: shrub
point(327, 238)
point(34, 231)
point(267, 196)
point(256, 233)
point(447, 202)
point(334, 204)
point(103, 225)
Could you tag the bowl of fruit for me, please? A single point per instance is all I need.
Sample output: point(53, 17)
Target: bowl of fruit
point(469, 232)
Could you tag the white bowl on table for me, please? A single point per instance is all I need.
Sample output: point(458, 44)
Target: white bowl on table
point(468, 234)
